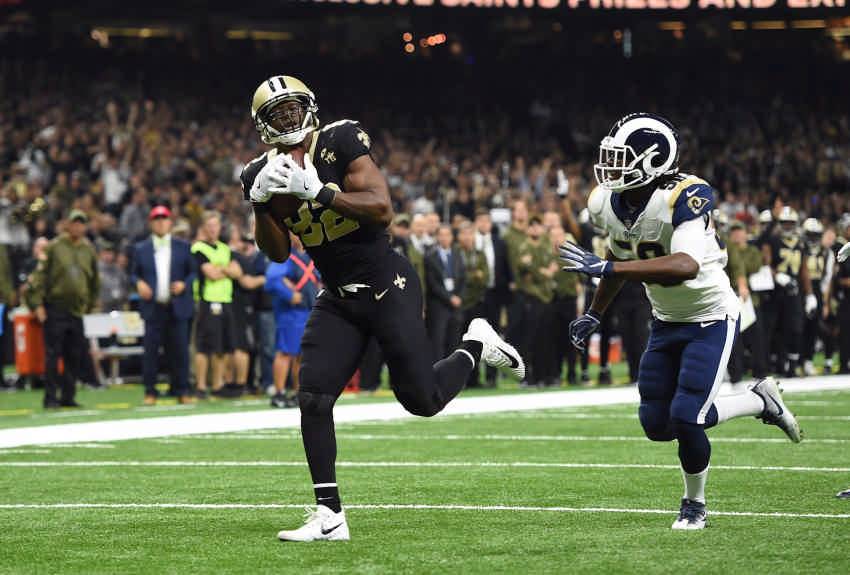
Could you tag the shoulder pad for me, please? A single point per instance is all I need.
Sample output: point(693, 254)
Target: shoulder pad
point(690, 198)
point(345, 139)
point(596, 203)
point(249, 172)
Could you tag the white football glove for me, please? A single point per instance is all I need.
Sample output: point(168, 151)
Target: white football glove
point(782, 279)
point(844, 252)
point(811, 304)
point(269, 177)
point(303, 183)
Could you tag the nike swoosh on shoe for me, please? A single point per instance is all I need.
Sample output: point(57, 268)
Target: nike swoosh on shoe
point(510, 356)
point(331, 530)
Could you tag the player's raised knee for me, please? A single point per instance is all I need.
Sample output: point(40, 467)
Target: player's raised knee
point(655, 422)
point(313, 403)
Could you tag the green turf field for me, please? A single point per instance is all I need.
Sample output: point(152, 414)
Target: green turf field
point(581, 492)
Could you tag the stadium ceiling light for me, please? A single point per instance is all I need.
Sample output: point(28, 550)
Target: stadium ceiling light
point(127, 32)
point(769, 25)
point(273, 35)
point(672, 25)
point(808, 24)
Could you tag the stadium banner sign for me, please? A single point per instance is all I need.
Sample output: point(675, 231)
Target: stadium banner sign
point(606, 4)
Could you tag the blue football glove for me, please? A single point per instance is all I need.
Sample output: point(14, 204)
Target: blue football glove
point(577, 259)
point(582, 327)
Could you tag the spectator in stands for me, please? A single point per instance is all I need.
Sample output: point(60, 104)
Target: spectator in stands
point(842, 294)
point(744, 260)
point(445, 278)
point(64, 287)
point(294, 286)
point(134, 216)
point(245, 294)
point(562, 310)
point(419, 237)
point(214, 335)
point(475, 284)
point(163, 273)
point(515, 237)
point(113, 278)
point(535, 271)
point(497, 295)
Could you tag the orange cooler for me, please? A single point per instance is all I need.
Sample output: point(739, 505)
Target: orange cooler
point(29, 344)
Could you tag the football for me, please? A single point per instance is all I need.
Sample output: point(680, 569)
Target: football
point(284, 206)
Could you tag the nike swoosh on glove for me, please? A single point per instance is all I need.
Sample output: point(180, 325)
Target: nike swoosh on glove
point(578, 259)
point(844, 253)
point(581, 328)
point(269, 177)
point(303, 183)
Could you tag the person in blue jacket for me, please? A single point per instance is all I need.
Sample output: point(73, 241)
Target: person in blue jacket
point(294, 286)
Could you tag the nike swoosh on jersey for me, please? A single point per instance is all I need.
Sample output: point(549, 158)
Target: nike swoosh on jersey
point(707, 323)
point(379, 296)
point(332, 529)
point(691, 193)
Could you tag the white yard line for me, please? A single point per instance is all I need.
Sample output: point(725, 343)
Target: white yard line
point(420, 464)
point(289, 435)
point(168, 426)
point(413, 507)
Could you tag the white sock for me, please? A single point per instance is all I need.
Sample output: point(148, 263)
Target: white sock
point(739, 405)
point(695, 485)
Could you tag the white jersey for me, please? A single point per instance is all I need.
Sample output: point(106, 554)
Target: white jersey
point(683, 204)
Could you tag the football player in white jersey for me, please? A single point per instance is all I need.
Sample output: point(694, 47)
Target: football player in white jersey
point(661, 233)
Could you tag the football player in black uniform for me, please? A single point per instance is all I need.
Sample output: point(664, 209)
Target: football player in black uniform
point(371, 291)
point(788, 257)
point(821, 262)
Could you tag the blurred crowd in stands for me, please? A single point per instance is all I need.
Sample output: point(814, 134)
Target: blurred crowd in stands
point(478, 200)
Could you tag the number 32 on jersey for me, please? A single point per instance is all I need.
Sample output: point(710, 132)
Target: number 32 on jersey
point(314, 229)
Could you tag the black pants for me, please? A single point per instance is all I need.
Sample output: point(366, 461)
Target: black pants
point(340, 327)
point(790, 327)
point(530, 333)
point(561, 311)
point(812, 326)
point(163, 329)
point(443, 323)
point(752, 339)
point(634, 318)
point(371, 366)
point(844, 334)
point(337, 333)
point(768, 316)
point(491, 310)
point(63, 339)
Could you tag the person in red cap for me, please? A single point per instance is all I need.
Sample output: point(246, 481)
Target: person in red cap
point(163, 270)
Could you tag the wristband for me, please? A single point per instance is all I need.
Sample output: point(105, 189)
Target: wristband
point(326, 196)
point(594, 315)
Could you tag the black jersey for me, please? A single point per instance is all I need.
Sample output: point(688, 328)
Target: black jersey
point(788, 254)
point(817, 261)
point(345, 251)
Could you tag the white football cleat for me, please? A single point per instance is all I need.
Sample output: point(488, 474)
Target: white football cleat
point(775, 411)
point(495, 351)
point(691, 516)
point(319, 525)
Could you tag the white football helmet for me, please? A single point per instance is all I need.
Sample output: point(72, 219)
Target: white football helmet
point(788, 221)
point(639, 149)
